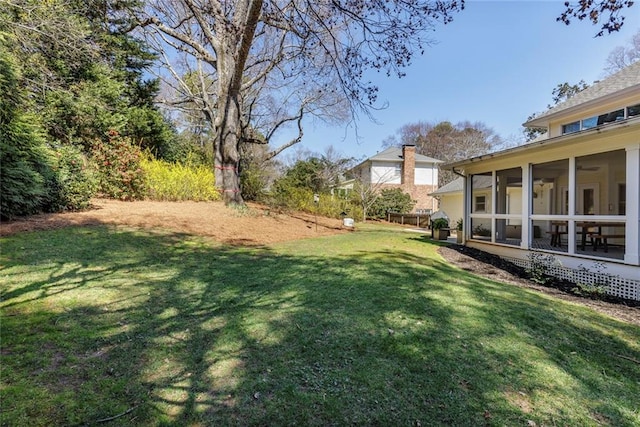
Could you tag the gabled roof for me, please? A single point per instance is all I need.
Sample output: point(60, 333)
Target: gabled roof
point(454, 186)
point(393, 154)
point(457, 185)
point(624, 80)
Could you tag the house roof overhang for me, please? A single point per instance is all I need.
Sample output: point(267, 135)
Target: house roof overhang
point(458, 167)
point(543, 120)
point(617, 86)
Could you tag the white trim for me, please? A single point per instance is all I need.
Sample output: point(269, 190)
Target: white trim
point(632, 212)
point(526, 206)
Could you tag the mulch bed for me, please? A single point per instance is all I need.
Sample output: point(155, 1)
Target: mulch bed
point(495, 268)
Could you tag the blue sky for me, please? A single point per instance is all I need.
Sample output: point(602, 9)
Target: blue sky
point(496, 63)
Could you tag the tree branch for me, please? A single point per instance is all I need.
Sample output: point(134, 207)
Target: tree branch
point(294, 141)
point(183, 38)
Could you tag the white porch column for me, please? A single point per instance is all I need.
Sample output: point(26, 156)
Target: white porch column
point(493, 207)
point(500, 195)
point(525, 243)
point(466, 208)
point(571, 225)
point(632, 230)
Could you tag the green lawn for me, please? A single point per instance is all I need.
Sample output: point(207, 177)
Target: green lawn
point(367, 328)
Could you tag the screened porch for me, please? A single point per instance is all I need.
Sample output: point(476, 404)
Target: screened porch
point(574, 205)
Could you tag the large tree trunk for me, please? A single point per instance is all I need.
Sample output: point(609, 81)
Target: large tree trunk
point(231, 59)
point(226, 154)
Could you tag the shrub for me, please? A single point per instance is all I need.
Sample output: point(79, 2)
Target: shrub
point(117, 162)
point(391, 200)
point(602, 282)
point(253, 183)
point(181, 149)
point(176, 181)
point(73, 184)
point(301, 199)
point(439, 223)
point(539, 266)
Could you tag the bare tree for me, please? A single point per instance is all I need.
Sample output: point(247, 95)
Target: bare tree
point(366, 192)
point(447, 141)
point(335, 165)
point(264, 65)
point(623, 56)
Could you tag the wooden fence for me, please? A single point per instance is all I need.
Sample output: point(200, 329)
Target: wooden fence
point(417, 220)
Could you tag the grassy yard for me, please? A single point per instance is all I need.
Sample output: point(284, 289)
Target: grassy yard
point(115, 326)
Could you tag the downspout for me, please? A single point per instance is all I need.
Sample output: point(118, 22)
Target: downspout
point(433, 178)
point(465, 218)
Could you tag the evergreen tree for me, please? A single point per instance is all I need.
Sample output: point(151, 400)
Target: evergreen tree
point(85, 72)
point(26, 162)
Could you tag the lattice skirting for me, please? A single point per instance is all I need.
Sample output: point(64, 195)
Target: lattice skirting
point(619, 287)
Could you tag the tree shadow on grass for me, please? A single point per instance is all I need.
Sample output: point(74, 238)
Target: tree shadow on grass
point(175, 330)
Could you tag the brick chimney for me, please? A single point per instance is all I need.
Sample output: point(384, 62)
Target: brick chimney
point(408, 164)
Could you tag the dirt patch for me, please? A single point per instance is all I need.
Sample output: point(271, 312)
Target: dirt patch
point(254, 226)
point(495, 268)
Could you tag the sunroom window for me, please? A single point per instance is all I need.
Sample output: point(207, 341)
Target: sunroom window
point(598, 177)
point(633, 111)
point(609, 117)
point(613, 116)
point(571, 127)
point(549, 190)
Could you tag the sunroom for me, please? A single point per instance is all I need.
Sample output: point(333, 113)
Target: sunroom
point(574, 197)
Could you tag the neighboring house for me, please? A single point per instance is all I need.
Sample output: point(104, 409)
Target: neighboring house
point(415, 174)
point(574, 195)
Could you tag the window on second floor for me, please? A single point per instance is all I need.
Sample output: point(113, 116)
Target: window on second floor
point(610, 117)
point(571, 127)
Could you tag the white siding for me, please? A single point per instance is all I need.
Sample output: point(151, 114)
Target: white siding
point(385, 173)
point(362, 173)
point(451, 204)
point(426, 175)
